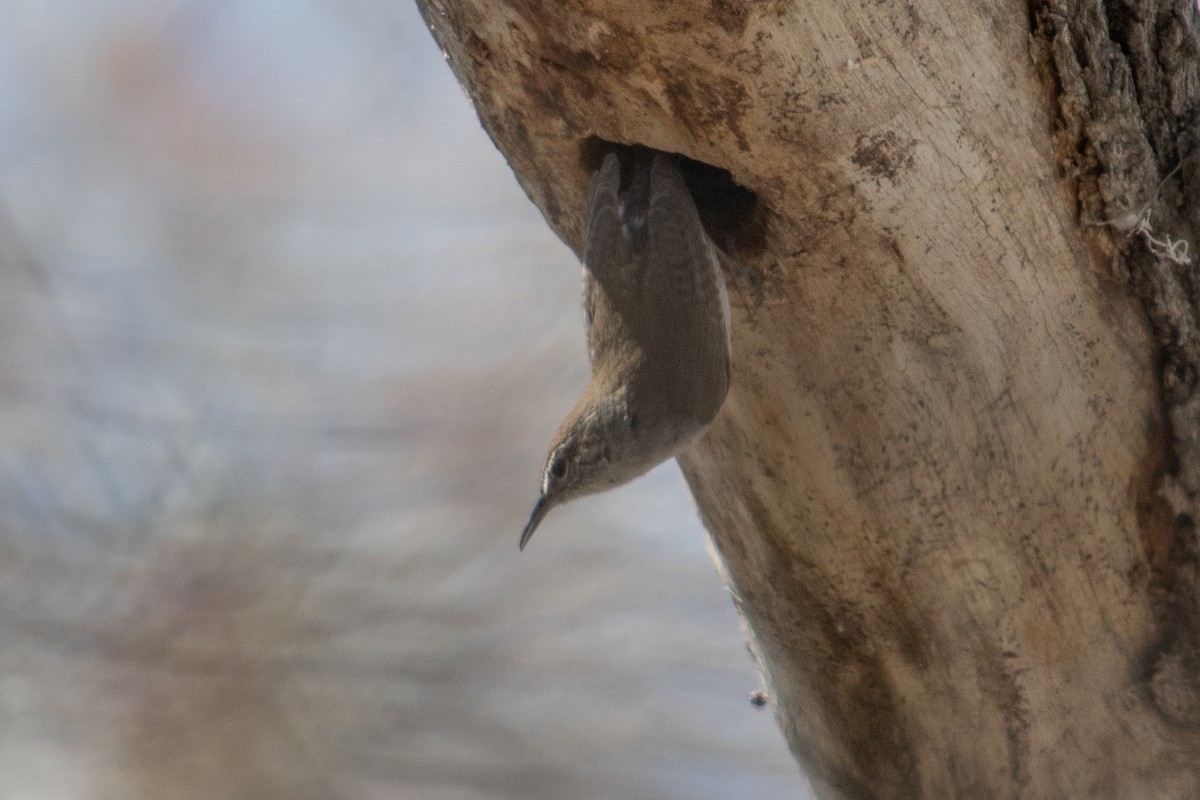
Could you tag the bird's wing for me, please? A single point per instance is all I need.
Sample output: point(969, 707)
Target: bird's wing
point(683, 275)
point(609, 271)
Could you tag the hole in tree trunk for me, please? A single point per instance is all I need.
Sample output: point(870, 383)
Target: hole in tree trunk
point(731, 214)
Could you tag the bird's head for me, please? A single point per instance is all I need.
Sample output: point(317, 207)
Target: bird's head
point(598, 447)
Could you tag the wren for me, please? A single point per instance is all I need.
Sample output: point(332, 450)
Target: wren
point(658, 333)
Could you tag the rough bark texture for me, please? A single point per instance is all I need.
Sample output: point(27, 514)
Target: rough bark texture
point(953, 486)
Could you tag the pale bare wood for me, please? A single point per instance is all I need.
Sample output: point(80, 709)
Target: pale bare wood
point(935, 486)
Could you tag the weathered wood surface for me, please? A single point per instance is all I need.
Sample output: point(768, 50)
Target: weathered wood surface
point(937, 486)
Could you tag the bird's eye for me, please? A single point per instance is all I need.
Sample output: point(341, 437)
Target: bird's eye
point(558, 467)
point(633, 422)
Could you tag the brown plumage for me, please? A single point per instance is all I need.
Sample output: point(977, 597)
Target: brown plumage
point(658, 334)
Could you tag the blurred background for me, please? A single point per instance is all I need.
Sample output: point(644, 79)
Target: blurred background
point(281, 346)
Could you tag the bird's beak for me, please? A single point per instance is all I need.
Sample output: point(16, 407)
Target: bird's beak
point(539, 511)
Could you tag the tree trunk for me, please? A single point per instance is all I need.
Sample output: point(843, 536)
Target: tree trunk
point(953, 486)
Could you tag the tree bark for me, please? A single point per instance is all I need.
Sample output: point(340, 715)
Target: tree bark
point(954, 484)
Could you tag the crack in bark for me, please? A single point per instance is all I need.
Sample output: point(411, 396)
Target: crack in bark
point(1128, 99)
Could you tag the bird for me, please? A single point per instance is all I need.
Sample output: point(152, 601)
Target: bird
point(659, 334)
